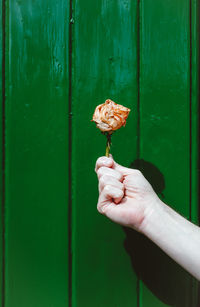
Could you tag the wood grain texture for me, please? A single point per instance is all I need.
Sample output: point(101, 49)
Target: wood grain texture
point(37, 155)
point(105, 66)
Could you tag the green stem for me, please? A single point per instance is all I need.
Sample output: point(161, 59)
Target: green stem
point(108, 144)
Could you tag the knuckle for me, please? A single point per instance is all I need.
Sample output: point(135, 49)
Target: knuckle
point(104, 178)
point(98, 163)
point(100, 171)
point(137, 172)
point(98, 208)
point(101, 180)
point(107, 188)
point(100, 187)
point(118, 175)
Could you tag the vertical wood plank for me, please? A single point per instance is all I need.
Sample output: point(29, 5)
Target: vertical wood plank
point(1, 149)
point(37, 153)
point(165, 132)
point(194, 110)
point(194, 133)
point(105, 66)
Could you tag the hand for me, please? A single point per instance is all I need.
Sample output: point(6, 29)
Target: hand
point(125, 196)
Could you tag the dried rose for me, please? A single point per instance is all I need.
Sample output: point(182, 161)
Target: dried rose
point(110, 116)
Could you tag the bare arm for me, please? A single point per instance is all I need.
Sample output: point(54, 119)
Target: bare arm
point(127, 198)
point(176, 236)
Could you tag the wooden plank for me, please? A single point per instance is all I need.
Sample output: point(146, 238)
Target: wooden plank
point(194, 132)
point(2, 53)
point(37, 151)
point(194, 110)
point(104, 66)
point(165, 133)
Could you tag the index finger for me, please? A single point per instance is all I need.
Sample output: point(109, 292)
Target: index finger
point(103, 161)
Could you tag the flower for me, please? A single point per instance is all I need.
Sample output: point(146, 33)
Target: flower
point(110, 116)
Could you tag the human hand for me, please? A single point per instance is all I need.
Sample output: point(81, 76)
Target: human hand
point(125, 196)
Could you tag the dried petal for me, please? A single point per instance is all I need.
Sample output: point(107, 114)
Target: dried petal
point(110, 116)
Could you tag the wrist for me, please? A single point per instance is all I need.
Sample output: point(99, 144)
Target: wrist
point(152, 214)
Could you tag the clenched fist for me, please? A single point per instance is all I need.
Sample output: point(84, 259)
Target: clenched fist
point(125, 196)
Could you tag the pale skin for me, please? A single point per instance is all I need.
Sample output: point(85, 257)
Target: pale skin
point(127, 198)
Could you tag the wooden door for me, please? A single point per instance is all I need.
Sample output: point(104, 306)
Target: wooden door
point(59, 60)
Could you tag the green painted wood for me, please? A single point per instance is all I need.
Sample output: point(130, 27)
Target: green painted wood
point(194, 110)
point(104, 66)
point(1, 153)
point(165, 132)
point(195, 125)
point(37, 155)
point(111, 58)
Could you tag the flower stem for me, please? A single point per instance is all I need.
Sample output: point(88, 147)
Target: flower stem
point(108, 144)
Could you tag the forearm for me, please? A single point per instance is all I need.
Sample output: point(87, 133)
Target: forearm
point(175, 235)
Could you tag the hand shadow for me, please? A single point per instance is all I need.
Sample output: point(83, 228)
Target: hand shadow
point(169, 282)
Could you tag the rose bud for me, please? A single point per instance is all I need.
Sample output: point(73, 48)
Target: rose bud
point(110, 116)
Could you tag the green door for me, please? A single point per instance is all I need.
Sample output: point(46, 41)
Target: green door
point(59, 60)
